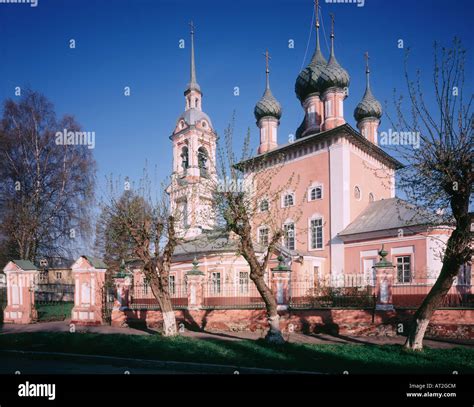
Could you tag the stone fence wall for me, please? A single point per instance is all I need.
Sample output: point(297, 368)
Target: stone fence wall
point(455, 324)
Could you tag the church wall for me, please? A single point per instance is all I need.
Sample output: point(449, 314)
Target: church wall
point(305, 171)
point(370, 177)
point(413, 246)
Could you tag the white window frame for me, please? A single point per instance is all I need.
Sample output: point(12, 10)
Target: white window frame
point(260, 205)
point(172, 285)
point(401, 256)
point(216, 282)
point(310, 190)
point(283, 199)
point(261, 228)
point(285, 231)
point(310, 233)
point(244, 282)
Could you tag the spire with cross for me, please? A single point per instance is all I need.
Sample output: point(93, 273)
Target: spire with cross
point(192, 85)
point(267, 70)
point(367, 70)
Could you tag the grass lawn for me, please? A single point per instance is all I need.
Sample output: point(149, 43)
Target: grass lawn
point(385, 359)
point(54, 311)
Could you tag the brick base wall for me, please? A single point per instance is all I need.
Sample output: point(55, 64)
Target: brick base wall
point(455, 324)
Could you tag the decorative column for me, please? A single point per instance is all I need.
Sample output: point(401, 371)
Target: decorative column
point(194, 287)
point(89, 277)
point(123, 283)
point(21, 276)
point(384, 275)
point(281, 284)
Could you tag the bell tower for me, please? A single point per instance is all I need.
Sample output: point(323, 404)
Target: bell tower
point(194, 157)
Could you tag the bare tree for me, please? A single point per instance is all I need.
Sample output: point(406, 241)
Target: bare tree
point(113, 242)
point(46, 188)
point(247, 195)
point(438, 175)
point(148, 225)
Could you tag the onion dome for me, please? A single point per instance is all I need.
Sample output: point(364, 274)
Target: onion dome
point(308, 81)
point(267, 105)
point(369, 106)
point(333, 75)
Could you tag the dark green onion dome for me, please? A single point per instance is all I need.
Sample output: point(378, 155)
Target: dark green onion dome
point(368, 106)
point(333, 75)
point(308, 81)
point(267, 106)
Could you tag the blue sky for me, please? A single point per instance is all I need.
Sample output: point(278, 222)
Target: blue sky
point(135, 43)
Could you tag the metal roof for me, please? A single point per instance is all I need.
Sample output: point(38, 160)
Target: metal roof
point(95, 262)
point(393, 213)
point(343, 130)
point(25, 264)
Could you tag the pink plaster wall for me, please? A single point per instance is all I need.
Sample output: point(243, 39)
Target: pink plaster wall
point(353, 262)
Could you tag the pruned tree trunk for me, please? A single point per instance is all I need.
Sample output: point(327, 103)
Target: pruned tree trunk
point(157, 268)
point(274, 332)
point(164, 300)
point(457, 253)
point(257, 273)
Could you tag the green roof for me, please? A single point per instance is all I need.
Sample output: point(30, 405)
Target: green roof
point(25, 264)
point(95, 262)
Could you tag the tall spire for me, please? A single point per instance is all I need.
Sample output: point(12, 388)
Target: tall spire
point(316, 13)
point(192, 85)
point(332, 36)
point(267, 70)
point(367, 70)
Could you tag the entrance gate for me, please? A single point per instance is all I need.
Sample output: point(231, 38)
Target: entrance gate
point(54, 302)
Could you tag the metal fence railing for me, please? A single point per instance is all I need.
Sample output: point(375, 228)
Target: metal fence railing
point(412, 295)
point(141, 297)
point(240, 295)
point(54, 293)
point(305, 295)
point(54, 302)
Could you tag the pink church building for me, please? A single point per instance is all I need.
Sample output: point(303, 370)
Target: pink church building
point(335, 219)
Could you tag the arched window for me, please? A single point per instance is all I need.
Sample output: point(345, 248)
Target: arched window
point(288, 200)
point(264, 206)
point(357, 193)
point(315, 193)
point(202, 161)
point(371, 197)
point(185, 158)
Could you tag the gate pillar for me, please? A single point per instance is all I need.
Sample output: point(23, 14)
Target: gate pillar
point(21, 275)
point(89, 279)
